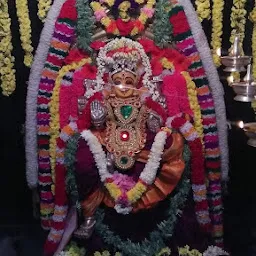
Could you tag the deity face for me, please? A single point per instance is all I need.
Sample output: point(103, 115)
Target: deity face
point(124, 84)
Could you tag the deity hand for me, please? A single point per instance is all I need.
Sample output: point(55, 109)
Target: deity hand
point(98, 114)
point(154, 122)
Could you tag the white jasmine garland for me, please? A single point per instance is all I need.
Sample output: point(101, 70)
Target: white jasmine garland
point(33, 84)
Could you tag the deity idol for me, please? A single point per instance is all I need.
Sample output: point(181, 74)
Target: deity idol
point(135, 168)
point(127, 164)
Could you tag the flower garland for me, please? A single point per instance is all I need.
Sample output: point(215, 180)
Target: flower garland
point(197, 168)
point(252, 18)
point(238, 20)
point(192, 95)
point(125, 192)
point(32, 91)
point(190, 40)
point(85, 24)
point(203, 9)
point(25, 30)
point(162, 28)
point(113, 27)
point(217, 26)
point(54, 111)
point(7, 72)
point(43, 8)
point(156, 241)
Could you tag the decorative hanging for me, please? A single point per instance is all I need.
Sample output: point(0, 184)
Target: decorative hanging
point(203, 9)
point(252, 18)
point(217, 26)
point(25, 30)
point(43, 8)
point(238, 21)
point(7, 72)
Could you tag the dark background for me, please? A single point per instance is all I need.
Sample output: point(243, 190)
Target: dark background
point(16, 199)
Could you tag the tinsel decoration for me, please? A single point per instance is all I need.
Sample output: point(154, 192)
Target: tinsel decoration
point(162, 27)
point(85, 25)
point(70, 158)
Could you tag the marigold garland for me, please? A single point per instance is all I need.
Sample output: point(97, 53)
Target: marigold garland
point(25, 30)
point(217, 26)
point(7, 72)
point(203, 9)
point(194, 105)
point(43, 8)
point(238, 20)
point(252, 18)
point(54, 110)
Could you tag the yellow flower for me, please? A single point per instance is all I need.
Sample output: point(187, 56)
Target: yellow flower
point(136, 192)
point(110, 2)
point(25, 30)
point(217, 26)
point(194, 105)
point(113, 190)
point(43, 8)
point(203, 9)
point(253, 20)
point(8, 81)
point(238, 20)
point(167, 64)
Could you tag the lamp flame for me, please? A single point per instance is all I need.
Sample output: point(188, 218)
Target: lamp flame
point(241, 124)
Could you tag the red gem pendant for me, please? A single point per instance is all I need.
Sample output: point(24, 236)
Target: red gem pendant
point(124, 136)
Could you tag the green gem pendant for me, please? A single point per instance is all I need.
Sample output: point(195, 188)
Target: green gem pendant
point(126, 111)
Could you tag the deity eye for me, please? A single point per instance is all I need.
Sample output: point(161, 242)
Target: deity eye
point(129, 81)
point(117, 82)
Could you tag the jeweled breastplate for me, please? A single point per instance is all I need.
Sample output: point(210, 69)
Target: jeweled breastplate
point(125, 133)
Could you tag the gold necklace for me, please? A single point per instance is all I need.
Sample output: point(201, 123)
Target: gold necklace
point(125, 132)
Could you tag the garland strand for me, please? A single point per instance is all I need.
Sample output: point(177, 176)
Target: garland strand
point(162, 28)
point(70, 158)
point(54, 111)
point(85, 24)
point(203, 9)
point(25, 30)
point(43, 8)
point(192, 95)
point(238, 20)
point(164, 229)
point(252, 18)
point(7, 72)
point(217, 26)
